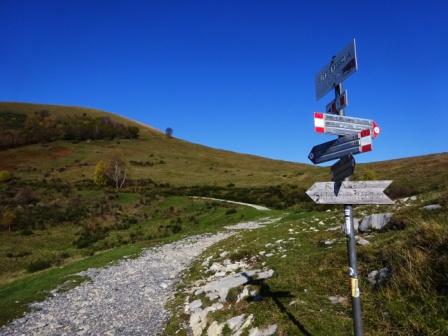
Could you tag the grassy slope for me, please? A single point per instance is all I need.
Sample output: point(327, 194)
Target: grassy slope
point(412, 302)
point(191, 164)
point(186, 163)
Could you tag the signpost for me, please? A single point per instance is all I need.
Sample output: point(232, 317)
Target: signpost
point(350, 192)
point(342, 169)
point(354, 137)
point(348, 144)
point(339, 69)
point(335, 105)
point(340, 125)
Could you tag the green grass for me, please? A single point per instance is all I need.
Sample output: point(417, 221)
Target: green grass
point(413, 302)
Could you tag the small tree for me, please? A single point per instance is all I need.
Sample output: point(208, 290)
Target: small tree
point(117, 171)
point(8, 219)
point(5, 176)
point(100, 173)
point(133, 132)
point(169, 132)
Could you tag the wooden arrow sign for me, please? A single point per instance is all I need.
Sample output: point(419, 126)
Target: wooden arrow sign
point(350, 192)
point(342, 169)
point(348, 144)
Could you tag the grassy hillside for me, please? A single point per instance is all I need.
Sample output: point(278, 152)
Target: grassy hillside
point(171, 160)
point(181, 163)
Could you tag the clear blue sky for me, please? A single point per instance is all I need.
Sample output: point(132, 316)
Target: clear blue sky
point(237, 75)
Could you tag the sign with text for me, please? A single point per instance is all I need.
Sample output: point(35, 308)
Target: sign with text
point(340, 68)
point(341, 125)
point(342, 169)
point(350, 192)
point(348, 144)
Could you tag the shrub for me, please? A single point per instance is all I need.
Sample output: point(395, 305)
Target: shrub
point(25, 195)
point(88, 238)
point(231, 211)
point(5, 176)
point(38, 265)
point(100, 173)
point(8, 219)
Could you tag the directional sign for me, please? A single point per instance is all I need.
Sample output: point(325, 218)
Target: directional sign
point(340, 125)
point(348, 144)
point(342, 169)
point(350, 192)
point(337, 104)
point(340, 68)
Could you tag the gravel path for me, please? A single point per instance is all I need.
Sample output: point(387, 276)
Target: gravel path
point(124, 299)
point(255, 206)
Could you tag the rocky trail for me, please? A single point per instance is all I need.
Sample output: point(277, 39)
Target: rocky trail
point(127, 298)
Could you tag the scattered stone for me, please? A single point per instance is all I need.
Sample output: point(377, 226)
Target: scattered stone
point(378, 277)
point(375, 222)
point(337, 299)
point(220, 288)
point(244, 294)
point(223, 254)
point(361, 241)
point(194, 306)
point(235, 322)
point(245, 325)
point(329, 242)
point(263, 332)
point(215, 329)
point(432, 207)
point(262, 252)
point(269, 255)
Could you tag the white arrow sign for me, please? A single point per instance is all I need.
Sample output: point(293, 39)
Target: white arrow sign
point(350, 192)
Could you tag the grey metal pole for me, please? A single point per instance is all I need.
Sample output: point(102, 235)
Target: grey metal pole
point(351, 250)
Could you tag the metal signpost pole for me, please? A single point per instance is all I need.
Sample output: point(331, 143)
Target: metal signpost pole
point(351, 249)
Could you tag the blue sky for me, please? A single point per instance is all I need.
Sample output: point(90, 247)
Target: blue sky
point(237, 75)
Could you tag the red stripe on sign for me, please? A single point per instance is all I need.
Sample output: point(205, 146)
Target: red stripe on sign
point(318, 115)
point(364, 133)
point(319, 129)
point(366, 148)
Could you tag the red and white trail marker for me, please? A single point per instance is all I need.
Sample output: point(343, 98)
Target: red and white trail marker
point(337, 104)
point(341, 125)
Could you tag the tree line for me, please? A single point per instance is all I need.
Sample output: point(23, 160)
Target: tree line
point(17, 129)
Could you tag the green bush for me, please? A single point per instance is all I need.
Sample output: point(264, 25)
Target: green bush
point(88, 238)
point(38, 265)
point(231, 211)
point(5, 176)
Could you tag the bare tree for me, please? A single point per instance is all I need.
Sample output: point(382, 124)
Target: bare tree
point(117, 171)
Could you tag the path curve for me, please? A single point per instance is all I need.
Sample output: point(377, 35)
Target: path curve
point(123, 299)
point(255, 206)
